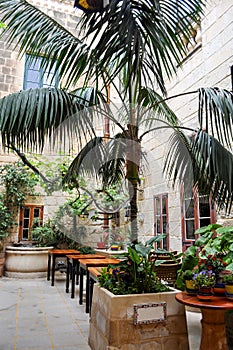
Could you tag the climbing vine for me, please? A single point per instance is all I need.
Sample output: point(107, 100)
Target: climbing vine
point(17, 182)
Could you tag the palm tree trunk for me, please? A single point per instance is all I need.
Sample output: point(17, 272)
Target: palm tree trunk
point(132, 175)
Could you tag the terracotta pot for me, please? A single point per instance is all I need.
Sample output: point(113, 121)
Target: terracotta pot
point(101, 245)
point(205, 293)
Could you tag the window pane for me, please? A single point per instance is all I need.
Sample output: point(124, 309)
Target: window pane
point(189, 208)
point(164, 208)
point(157, 206)
point(165, 243)
point(36, 213)
point(31, 85)
point(204, 210)
point(25, 233)
point(164, 224)
point(158, 225)
point(35, 76)
point(26, 212)
point(204, 222)
point(190, 229)
point(26, 223)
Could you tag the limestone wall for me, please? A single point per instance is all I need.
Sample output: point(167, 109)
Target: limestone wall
point(208, 64)
point(112, 323)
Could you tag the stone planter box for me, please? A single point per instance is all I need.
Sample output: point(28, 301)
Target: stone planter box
point(26, 262)
point(112, 323)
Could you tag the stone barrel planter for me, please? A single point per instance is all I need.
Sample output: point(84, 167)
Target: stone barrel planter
point(26, 262)
point(112, 322)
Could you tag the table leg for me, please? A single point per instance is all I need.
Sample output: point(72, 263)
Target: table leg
point(49, 266)
point(67, 275)
point(81, 285)
point(92, 282)
point(87, 291)
point(77, 274)
point(53, 269)
point(73, 268)
point(213, 330)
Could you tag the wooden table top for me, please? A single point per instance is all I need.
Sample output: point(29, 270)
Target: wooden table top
point(217, 302)
point(63, 251)
point(85, 256)
point(95, 271)
point(98, 262)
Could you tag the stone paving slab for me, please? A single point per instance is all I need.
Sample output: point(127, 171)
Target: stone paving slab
point(36, 316)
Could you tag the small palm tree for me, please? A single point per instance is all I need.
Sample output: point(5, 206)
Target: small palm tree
point(139, 43)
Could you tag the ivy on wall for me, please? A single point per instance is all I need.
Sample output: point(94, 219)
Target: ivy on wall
point(17, 182)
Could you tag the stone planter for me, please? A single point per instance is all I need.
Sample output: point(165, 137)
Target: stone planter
point(2, 263)
point(26, 262)
point(112, 323)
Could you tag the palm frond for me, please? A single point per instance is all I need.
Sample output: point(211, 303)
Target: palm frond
point(216, 113)
point(104, 160)
point(214, 169)
point(38, 34)
point(154, 107)
point(28, 118)
point(204, 163)
point(178, 164)
point(142, 36)
point(88, 161)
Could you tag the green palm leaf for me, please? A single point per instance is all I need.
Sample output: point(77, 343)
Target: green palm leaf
point(29, 117)
point(39, 34)
point(141, 36)
point(216, 113)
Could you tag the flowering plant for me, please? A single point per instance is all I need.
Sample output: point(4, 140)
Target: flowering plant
point(213, 262)
point(204, 278)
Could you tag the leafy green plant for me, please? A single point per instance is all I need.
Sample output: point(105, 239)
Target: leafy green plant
point(213, 251)
point(49, 235)
point(188, 275)
point(189, 261)
point(86, 250)
point(228, 279)
point(18, 182)
point(5, 219)
point(44, 235)
point(216, 245)
point(205, 278)
point(136, 273)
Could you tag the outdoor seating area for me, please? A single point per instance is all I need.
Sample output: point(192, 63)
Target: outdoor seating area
point(82, 274)
point(116, 163)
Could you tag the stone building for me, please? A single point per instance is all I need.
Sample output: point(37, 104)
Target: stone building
point(208, 63)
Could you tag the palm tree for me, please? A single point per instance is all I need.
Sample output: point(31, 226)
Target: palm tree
point(139, 43)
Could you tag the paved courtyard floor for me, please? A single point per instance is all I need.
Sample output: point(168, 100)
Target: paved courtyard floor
point(36, 316)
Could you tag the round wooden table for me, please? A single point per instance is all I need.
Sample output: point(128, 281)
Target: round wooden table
point(213, 335)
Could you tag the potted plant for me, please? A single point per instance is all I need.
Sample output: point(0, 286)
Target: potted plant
point(215, 244)
point(189, 282)
point(189, 262)
point(125, 289)
point(213, 250)
point(204, 280)
point(228, 281)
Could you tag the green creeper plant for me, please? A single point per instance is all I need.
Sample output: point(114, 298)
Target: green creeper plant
point(17, 183)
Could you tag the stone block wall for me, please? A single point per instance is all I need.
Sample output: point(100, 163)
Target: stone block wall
point(112, 323)
point(208, 64)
